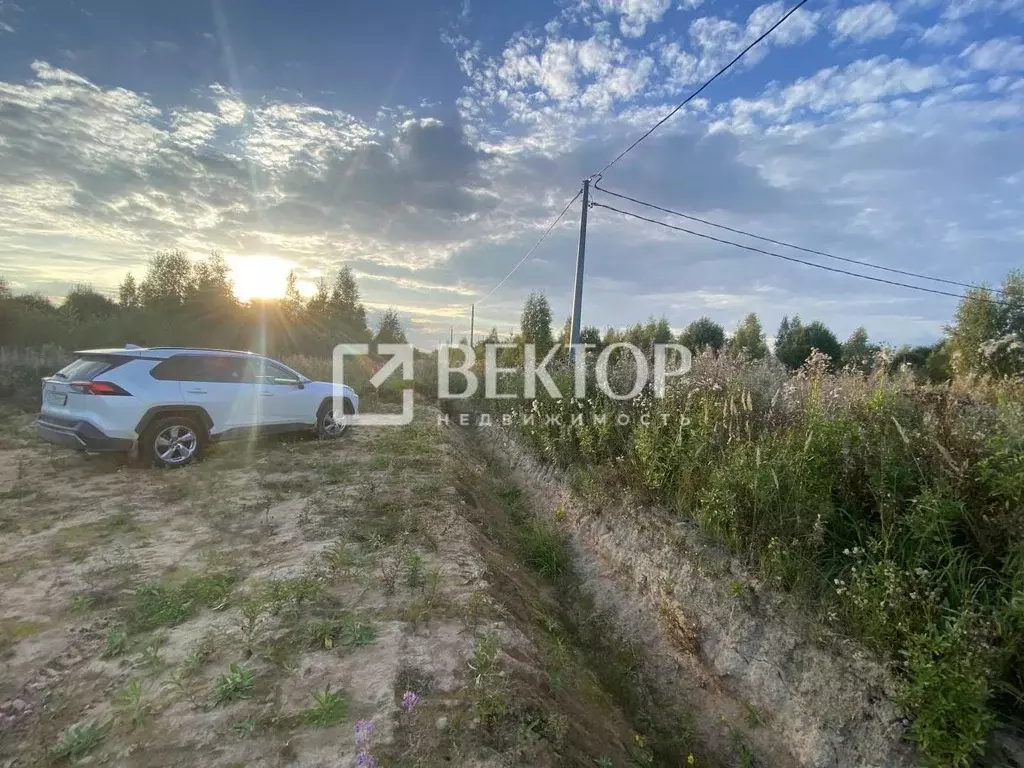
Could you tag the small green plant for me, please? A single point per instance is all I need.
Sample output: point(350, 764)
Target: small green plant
point(355, 632)
point(488, 694)
point(746, 757)
point(80, 741)
point(543, 549)
point(736, 588)
point(117, 643)
point(158, 605)
point(236, 684)
point(753, 715)
point(250, 624)
point(243, 729)
point(330, 708)
point(413, 570)
point(130, 702)
point(340, 559)
point(150, 657)
point(82, 604)
point(603, 762)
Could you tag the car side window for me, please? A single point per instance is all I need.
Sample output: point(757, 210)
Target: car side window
point(225, 370)
point(178, 368)
point(267, 372)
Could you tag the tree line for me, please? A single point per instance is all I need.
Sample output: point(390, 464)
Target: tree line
point(181, 301)
point(986, 337)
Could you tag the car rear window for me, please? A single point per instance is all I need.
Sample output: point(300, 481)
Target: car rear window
point(89, 367)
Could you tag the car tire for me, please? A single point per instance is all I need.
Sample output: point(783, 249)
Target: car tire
point(172, 441)
point(327, 426)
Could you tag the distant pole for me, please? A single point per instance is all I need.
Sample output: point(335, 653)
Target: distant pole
point(472, 318)
point(451, 336)
point(577, 298)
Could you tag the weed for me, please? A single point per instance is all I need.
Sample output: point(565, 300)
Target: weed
point(543, 549)
point(131, 703)
point(389, 575)
point(236, 684)
point(413, 570)
point(117, 643)
point(355, 632)
point(80, 741)
point(243, 729)
point(150, 657)
point(340, 559)
point(330, 708)
point(82, 603)
point(489, 698)
point(280, 593)
point(753, 715)
point(158, 605)
point(746, 757)
point(251, 622)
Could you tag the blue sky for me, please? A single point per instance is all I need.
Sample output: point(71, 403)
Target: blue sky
point(429, 144)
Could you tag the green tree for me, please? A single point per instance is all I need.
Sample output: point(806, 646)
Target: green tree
point(703, 333)
point(128, 293)
point(976, 321)
point(937, 366)
point(749, 339)
point(798, 341)
point(293, 302)
point(82, 303)
point(389, 328)
point(535, 323)
point(169, 281)
point(857, 353)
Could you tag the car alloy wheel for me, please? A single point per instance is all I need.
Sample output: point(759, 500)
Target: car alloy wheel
point(175, 444)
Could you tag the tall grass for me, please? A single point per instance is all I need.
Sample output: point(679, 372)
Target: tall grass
point(897, 508)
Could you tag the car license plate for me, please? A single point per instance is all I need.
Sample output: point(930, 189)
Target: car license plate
point(56, 398)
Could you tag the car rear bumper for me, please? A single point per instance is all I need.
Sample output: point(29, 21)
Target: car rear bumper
point(80, 435)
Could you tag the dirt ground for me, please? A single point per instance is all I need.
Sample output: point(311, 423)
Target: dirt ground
point(290, 602)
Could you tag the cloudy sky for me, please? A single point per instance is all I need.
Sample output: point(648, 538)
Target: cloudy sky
point(428, 144)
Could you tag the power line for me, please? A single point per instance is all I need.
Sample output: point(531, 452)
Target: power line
point(696, 93)
point(793, 245)
point(789, 258)
point(534, 247)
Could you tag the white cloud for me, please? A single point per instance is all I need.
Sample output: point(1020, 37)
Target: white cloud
point(635, 14)
point(944, 33)
point(865, 82)
point(1002, 54)
point(865, 22)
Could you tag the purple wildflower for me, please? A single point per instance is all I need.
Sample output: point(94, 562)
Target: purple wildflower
point(409, 701)
point(364, 730)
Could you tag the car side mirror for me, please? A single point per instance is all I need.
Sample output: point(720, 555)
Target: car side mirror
point(300, 384)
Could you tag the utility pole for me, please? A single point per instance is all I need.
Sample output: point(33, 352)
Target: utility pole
point(577, 297)
point(451, 336)
point(472, 318)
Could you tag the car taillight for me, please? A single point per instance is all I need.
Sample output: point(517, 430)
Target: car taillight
point(97, 388)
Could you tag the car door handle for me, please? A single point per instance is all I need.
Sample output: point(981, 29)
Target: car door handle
point(196, 391)
point(266, 394)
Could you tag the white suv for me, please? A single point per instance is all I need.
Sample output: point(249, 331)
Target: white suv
point(172, 401)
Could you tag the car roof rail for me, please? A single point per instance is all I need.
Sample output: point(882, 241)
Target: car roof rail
point(209, 349)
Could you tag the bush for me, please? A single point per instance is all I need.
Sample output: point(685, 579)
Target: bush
point(897, 507)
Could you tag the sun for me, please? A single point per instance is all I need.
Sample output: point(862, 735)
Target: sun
point(258, 277)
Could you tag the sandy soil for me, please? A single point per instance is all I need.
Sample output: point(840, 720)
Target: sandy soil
point(258, 607)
